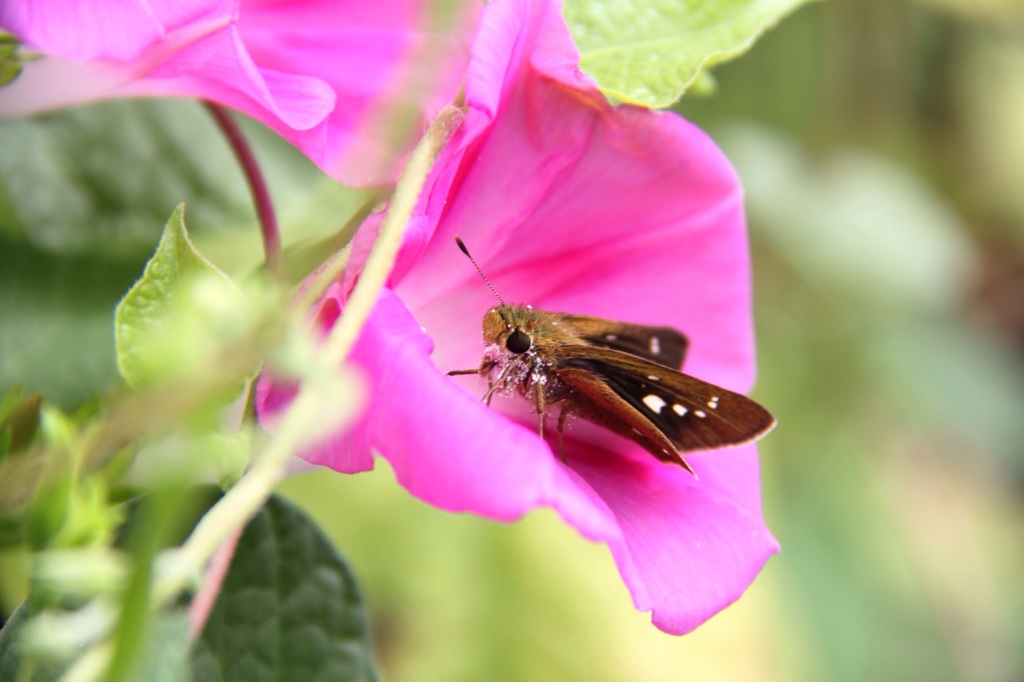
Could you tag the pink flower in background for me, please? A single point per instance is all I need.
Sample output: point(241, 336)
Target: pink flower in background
point(573, 206)
point(349, 83)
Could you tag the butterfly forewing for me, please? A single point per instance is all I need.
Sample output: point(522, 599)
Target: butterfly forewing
point(654, 407)
point(662, 345)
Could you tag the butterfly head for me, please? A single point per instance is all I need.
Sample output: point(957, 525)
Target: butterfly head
point(510, 328)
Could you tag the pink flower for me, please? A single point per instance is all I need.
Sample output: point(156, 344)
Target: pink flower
point(337, 79)
point(572, 206)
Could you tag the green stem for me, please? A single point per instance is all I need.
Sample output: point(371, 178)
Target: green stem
point(326, 275)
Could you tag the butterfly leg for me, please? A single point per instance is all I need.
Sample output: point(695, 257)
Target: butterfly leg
point(495, 384)
point(562, 417)
point(538, 397)
point(484, 369)
point(478, 371)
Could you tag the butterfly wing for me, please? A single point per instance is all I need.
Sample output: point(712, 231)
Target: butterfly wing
point(662, 345)
point(667, 412)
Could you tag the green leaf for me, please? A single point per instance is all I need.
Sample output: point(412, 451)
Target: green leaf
point(13, 653)
point(289, 609)
point(19, 420)
point(11, 58)
point(84, 193)
point(55, 331)
point(166, 654)
point(72, 589)
point(165, 651)
point(649, 52)
point(69, 506)
point(150, 321)
point(102, 178)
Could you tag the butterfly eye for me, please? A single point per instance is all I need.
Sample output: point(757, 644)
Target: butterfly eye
point(518, 342)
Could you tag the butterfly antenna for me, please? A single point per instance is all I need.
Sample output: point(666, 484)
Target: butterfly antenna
point(462, 247)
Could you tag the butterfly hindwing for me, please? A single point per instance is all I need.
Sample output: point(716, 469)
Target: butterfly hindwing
point(665, 411)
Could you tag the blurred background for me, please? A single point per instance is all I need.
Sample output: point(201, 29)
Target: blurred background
point(881, 143)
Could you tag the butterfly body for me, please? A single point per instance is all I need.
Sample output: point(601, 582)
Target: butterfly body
point(621, 376)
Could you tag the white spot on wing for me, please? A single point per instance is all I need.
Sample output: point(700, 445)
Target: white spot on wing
point(655, 345)
point(679, 409)
point(610, 337)
point(700, 413)
point(654, 402)
point(652, 377)
point(713, 403)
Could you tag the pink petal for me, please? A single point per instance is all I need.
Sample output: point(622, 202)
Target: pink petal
point(393, 65)
point(351, 84)
point(119, 30)
point(219, 68)
point(689, 547)
point(50, 83)
point(274, 395)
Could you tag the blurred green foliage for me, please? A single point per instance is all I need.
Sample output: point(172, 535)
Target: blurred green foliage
point(880, 144)
point(187, 339)
point(887, 351)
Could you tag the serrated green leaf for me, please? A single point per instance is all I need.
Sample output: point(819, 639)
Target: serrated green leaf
point(145, 322)
point(649, 52)
point(289, 609)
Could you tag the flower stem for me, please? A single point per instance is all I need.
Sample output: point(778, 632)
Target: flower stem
point(258, 186)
